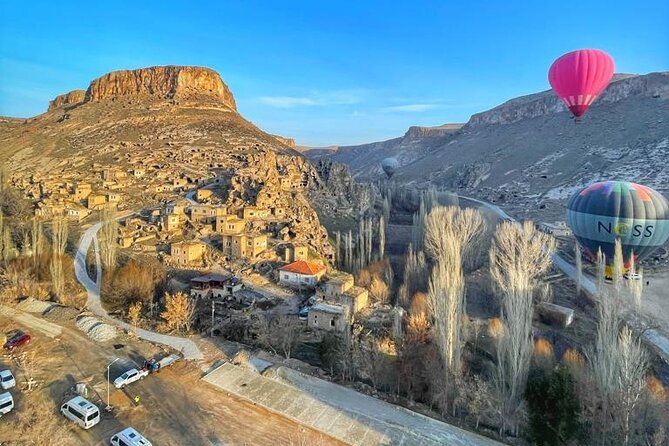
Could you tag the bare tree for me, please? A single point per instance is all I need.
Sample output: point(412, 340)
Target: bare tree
point(108, 236)
point(37, 241)
point(519, 256)
point(618, 362)
point(633, 363)
point(59, 231)
point(280, 334)
point(382, 237)
point(179, 311)
point(446, 303)
point(379, 289)
point(134, 314)
point(449, 232)
point(415, 276)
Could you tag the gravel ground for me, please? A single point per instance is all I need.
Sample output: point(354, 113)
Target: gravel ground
point(96, 329)
point(32, 305)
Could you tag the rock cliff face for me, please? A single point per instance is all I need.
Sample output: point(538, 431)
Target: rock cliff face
point(169, 82)
point(546, 102)
point(427, 132)
point(289, 142)
point(73, 97)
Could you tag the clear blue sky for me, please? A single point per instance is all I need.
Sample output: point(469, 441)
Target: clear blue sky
point(322, 72)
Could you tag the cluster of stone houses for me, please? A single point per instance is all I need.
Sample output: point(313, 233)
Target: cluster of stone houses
point(337, 298)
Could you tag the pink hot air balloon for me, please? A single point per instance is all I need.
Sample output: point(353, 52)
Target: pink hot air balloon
point(579, 77)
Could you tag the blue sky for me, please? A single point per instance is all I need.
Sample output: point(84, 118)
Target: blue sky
point(326, 72)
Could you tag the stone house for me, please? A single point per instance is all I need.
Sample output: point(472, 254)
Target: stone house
point(171, 222)
point(294, 252)
point(229, 224)
point(342, 291)
point(250, 213)
point(138, 172)
point(328, 317)
point(82, 190)
point(214, 285)
point(187, 253)
point(203, 194)
point(301, 274)
point(125, 241)
point(244, 246)
point(337, 285)
point(204, 213)
point(77, 213)
point(96, 201)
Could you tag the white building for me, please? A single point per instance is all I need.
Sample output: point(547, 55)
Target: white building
point(301, 274)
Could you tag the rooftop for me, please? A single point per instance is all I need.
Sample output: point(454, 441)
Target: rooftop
point(328, 308)
point(303, 267)
point(210, 278)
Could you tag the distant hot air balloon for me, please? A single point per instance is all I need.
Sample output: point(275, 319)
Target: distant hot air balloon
point(389, 166)
point(579, 77)
point(609, 210)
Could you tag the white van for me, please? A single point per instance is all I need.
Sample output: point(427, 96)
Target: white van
point(129, 437)
point(81, 411)
point(6, 403)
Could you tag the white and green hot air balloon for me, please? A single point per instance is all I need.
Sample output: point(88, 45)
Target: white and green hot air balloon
point(603, 212)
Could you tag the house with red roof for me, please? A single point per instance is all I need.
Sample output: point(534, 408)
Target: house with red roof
point(301, 274)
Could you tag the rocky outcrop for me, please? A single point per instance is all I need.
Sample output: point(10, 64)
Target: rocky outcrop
point(73, 97)
point(427, 132)
point(169, 82)
point(544, 103)
point(289, 142)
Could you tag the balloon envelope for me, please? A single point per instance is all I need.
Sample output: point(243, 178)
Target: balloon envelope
point(579, 77)
point(389, 166)
point(609, 210)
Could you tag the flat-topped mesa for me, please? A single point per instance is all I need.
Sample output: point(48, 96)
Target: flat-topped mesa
point(168, 82)
point(73, 97)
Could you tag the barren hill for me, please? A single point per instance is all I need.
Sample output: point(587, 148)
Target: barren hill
point(152, 134)
point(529, 151)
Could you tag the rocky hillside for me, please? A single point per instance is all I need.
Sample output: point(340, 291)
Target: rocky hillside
point(152, 134)
point(365, 160)
point(529, 152)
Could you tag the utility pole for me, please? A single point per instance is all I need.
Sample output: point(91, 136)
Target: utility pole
point(109, 407)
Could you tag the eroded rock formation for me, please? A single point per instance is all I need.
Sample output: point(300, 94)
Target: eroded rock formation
point(73, 97)
point(169, 82)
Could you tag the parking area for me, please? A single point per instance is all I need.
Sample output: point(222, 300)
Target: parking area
point(174, 406)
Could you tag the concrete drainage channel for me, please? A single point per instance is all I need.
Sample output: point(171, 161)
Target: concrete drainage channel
point(337, 411)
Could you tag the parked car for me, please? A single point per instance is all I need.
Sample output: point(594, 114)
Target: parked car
point(81, 411)
point(6, 403)
point(303, 314)
point(130, 377)
point(632, 276)
point(129, 437)
point(153, 365)
point(7, 380)
point(17, 339)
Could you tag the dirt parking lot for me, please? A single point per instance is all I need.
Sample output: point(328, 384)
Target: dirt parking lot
point(176, 407)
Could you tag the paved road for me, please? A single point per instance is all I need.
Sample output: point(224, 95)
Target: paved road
point(653, 336)
point(185, 346)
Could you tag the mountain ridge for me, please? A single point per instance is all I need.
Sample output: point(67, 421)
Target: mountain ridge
point(528, 154)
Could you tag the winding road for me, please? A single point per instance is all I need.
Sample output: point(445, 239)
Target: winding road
point(187, 347)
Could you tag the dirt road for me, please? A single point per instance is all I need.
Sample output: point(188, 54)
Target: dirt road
point(176, 407)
